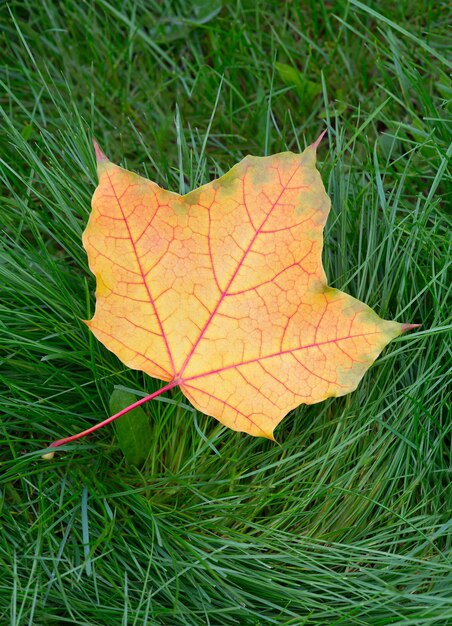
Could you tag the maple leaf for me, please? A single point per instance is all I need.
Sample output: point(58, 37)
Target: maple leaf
point(222, 291)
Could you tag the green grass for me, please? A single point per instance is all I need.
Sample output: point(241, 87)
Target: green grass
point(347, 521)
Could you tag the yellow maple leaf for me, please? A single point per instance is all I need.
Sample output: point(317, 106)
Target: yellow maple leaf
point(222, 291)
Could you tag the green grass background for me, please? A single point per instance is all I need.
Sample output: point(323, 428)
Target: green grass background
point(346, 522)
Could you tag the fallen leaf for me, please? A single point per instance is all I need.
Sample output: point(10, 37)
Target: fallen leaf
point(222, 291)
point(133, 430)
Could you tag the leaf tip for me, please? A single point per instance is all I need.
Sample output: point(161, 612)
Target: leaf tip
point(316, 143)
point(100, 156)
point(270, 435)
point(407, 327)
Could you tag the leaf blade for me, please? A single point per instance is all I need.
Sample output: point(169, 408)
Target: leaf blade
point(223, 292)
point(133, 430)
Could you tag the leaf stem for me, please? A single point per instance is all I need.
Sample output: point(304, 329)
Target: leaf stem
point(136, 404)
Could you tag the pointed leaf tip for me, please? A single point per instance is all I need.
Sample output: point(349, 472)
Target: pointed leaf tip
point(316, 143)
point(406, 327)
point(100, 156)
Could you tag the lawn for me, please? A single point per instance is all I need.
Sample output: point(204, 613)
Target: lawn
point(346, 521)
